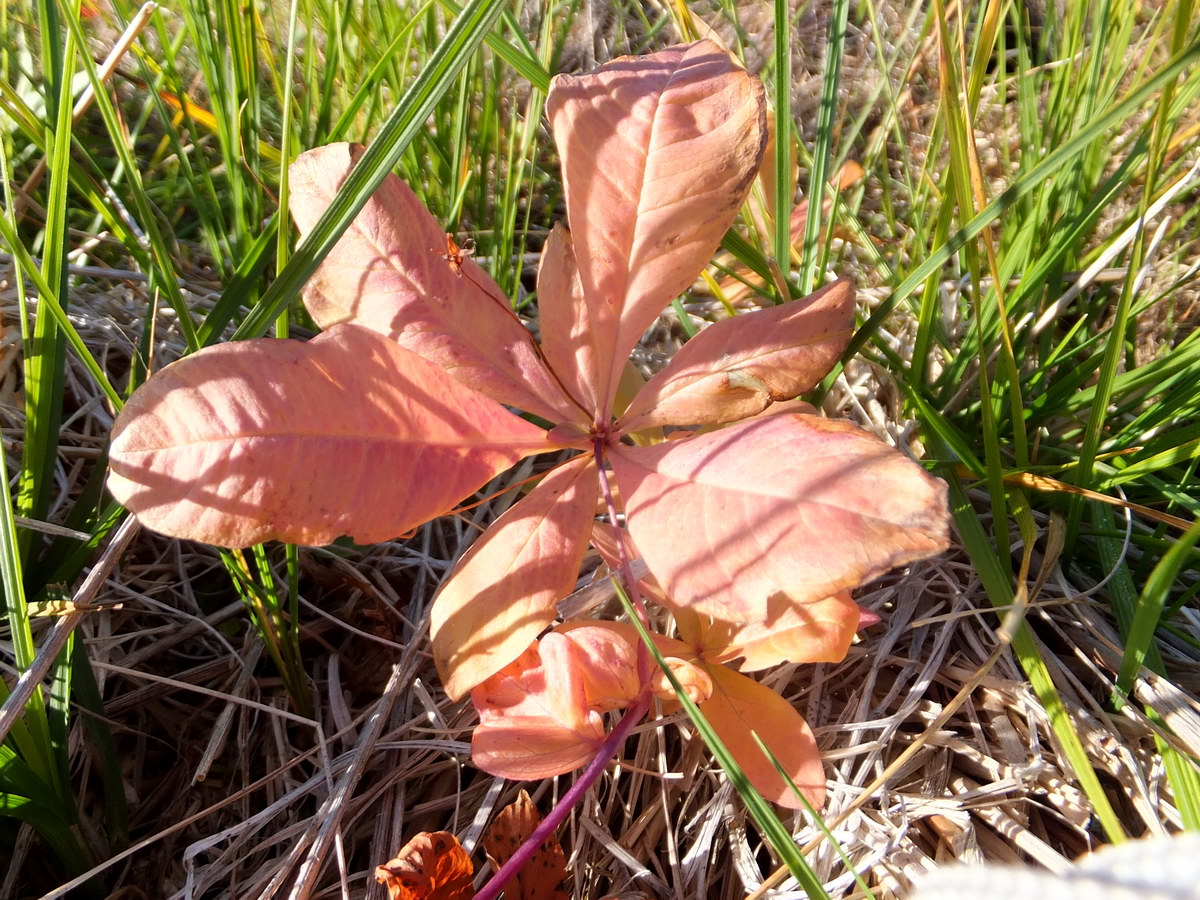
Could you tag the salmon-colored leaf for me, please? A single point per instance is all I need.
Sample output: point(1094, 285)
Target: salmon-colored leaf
point(432, 866)
point(502, 592)
point(544, 877)
point(534, 717)
point(658, 153)
point(303, 442)
point(739, 366)
point(740, 707)
point(743, 522)
point(568, 325)
point(611, 649)
point(392, 272)
point(820, 631)
point(607, 662)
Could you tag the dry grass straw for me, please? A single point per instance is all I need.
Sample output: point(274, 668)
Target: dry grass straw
point(235, 796)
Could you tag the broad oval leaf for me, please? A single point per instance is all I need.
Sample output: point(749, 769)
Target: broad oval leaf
point(780, 510)
point(740, 707)
point(739, 366)
point(348, 433)
point(392, 272)
point(658, 153)
point(502, 592)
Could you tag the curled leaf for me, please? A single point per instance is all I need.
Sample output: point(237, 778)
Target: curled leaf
point(392, 272)
point(739, 366)
point(658, 153)
point(534, 717)
point(502, 592)
point(776, 511)
point(432, 866)
point(541, 715)
point(348, 433)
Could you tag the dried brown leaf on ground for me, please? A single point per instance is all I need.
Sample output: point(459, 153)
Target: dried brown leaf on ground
point(432, 866)
point(544, 877)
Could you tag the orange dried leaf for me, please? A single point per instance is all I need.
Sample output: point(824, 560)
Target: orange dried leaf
point(544, 877)
point(432, 866)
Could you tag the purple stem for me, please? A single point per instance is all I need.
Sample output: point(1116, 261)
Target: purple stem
point(631, 588)
point(612, 743)
point(491, 890)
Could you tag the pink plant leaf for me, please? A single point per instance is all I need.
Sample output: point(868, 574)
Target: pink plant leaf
point(776, 511)
point(501, 594)
point(610, 653)
point(568, 327)
point(740, 707)
point(739, 366)
point(820, 631)
point(608, 662)
point(535, 721)
point(303, 442)
point(390, 273)
point(658, 153)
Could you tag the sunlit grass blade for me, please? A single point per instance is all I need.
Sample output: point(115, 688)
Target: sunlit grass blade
point(819, 176)
point(1033, 178)
point(45, 360)
point(438, 76)
point(777, 836)
point(816, 818)
point(1150, 604)
point(997, 580)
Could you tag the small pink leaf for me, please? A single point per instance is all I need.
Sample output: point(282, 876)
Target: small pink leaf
point(820, 631)
point(502, 592)
point(739, 366)
point(390, 272)
point(608, 662)
point(303, 442)
point(610, 651)
point(777, 511)
point(739, 706)
point(535, 721)
point(658, 153)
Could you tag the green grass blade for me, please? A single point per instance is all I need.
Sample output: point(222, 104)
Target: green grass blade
point(45, 356)
point(997, 580)
point(777, 836)
point(439, 75)
point(1149, 607)
point(781, 78)
point(819, 176)
point(1034, 178)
